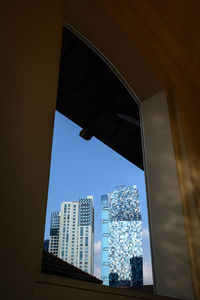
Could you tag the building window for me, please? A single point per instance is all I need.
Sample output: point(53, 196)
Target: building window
point(105, 234)
point(85, 214)
point(81, 231)
point(81, 255)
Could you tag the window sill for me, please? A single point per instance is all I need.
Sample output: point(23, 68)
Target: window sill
point(44, 279)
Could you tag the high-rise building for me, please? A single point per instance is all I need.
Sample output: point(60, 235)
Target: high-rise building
point(121, 248)
point(86, 235)
point(54, 233)
point(46, 245)
point(68, 238)
point(104, 240)
point(136, 270)
point(75, 234)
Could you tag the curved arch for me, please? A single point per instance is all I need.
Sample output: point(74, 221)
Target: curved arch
point(103, 32)
point(105, 60)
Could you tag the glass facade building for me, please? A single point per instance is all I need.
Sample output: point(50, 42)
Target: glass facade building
point(54, 232)
point(46, 245)
point(85, 258)
point(136, 270)
point(121, 252)
point(55, 222)
point(104, 240)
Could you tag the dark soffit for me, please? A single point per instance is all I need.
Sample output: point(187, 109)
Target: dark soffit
point(93, 97)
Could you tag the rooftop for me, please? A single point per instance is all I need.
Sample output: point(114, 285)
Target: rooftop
point(51, 264)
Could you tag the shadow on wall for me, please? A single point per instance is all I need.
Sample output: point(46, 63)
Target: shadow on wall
point(170, 255)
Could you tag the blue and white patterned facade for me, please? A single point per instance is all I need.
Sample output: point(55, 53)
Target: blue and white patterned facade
point(54, 233)
point(121, 236)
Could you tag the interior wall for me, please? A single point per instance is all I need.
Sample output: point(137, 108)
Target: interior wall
point(31, 34)
point(175, 14)
point(171, 267)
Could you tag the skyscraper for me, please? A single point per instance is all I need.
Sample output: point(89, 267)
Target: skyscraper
point(121, 252)
point(104, 240)
point(86, 235)
point(75, 234)
point(46, 245)
point(54, 233)
point(69, 232)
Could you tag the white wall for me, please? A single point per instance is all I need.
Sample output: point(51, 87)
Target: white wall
point(169, 250)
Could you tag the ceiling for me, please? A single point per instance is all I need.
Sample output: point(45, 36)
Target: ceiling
point(93, 97)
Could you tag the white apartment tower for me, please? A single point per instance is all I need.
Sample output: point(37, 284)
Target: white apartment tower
point(76, 234)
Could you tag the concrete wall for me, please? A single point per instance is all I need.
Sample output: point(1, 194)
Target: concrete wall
point(171, 268)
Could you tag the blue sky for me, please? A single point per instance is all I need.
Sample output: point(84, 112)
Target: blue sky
point(80, 168)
